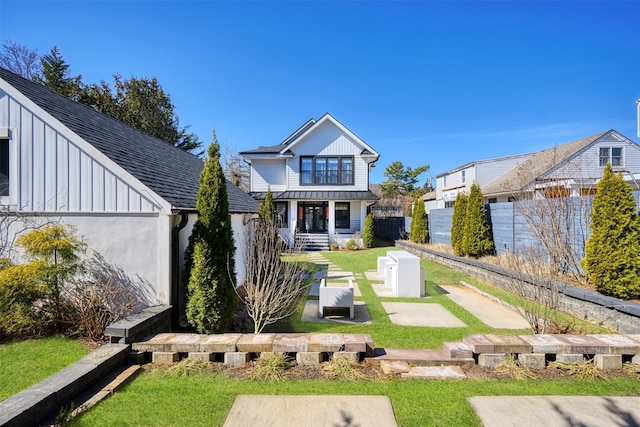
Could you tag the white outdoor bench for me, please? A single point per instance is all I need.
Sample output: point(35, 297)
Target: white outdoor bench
point(335, 296)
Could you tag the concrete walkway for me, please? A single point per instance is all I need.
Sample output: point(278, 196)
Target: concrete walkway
point(310, 411)
point(557, 411)
point(421, 314)
point(489, 312)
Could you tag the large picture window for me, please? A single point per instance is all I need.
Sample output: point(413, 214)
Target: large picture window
point(611, 155)
point(326, 170)
point(4, 167)
point(343, 215)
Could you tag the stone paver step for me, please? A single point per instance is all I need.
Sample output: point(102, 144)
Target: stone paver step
point(435, 372)
point(419, 357)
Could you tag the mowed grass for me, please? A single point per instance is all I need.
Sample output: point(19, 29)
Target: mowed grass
point(25, 363)
point(387, 334)
point(152, 400)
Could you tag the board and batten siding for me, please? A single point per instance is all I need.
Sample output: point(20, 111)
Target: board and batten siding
point(51, 173)
point(267, 173)
point(328, 140)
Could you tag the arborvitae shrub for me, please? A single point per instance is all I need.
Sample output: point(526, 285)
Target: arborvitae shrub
point(477, 240)
point(457, 223)
point(212, 300)
point(419, 232)
point(612, 255)
point(368, 234)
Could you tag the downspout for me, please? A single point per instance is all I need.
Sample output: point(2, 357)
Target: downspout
point(175, 269)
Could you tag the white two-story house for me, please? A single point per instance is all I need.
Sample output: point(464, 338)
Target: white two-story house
point(319, 179)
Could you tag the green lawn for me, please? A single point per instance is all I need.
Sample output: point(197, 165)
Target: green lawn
point(387, 334)
point(152, 400)
point(200, 400)
point(24, 363)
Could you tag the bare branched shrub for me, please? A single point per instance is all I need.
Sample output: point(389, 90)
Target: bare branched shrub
point(13, 224)
point(534, 282)
point(555, 207)
point(274, 279)
point(104, 296)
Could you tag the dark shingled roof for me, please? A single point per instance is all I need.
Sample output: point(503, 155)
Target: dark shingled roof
point(319, 195)
point(170, 172)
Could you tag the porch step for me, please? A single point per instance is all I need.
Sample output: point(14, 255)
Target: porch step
point(312, 242)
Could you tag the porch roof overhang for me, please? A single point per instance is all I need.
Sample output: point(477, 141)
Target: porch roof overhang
point(318, 195)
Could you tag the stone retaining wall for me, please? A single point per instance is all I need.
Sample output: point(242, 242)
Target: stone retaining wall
point(618, 315)
point(238, 349)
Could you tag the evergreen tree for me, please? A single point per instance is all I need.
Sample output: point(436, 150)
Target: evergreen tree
point(612, 255)
point(368, 236)
point(210, 273)
point(457, 223)
point(267, 209)
point(419, 232)
point(477, 240)
point(55, 75)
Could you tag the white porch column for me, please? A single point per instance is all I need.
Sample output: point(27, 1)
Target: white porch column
point(331, 226)
point(363, 214)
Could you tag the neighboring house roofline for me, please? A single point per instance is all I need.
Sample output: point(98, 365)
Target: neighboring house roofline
point(543, 163)
point(479, 162)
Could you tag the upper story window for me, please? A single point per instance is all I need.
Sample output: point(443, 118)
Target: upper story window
point(613, 155)
point(463, 176)
point(4, 167)
point(326, 170)
point(444, 181)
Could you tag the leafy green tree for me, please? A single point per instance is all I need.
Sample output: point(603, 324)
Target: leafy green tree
point(477, 240)
point(56, 75)
point(144, 105)
point(419, 232)
point(457, 223)
point(211, 271)
point(401, 180)
point(368, 236)
point(612, 255)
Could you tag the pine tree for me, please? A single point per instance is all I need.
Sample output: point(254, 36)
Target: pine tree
point(210, 273)
point(419, 232)
point(457, 223)
point(477, 240)
point(612, 255)
point(368, 235)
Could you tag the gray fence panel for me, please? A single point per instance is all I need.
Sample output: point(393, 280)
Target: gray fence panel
point(440, 225)
point(500, 217)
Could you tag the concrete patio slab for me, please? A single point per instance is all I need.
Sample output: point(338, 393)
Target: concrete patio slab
point(487, 311)
point(557, 411)
point(373, 276)
point(310, 411)
point(334, 275)
point(314, 291)
point(382, 291)
point(360, 314)
point(420, 314)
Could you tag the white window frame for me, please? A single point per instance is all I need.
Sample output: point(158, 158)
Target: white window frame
point(463, 176)
point(6, 134)
point(603, 160)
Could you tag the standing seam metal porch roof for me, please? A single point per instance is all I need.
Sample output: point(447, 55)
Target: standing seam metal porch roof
point(318, 195)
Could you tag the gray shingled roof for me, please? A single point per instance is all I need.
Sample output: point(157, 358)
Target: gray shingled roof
point(527, 172)
point(318, 195)
point(170, 172)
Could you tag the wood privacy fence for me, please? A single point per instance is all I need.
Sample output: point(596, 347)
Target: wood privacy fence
point(513, 229)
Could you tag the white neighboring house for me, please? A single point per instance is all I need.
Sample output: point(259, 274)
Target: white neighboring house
point(319, 178)
point(460, 179)
point(131, 196)
point(570, 169)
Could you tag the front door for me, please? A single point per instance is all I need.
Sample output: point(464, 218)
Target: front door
point(312, 217)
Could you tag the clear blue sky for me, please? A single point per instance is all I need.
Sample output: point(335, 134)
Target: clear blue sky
point(438, 83)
